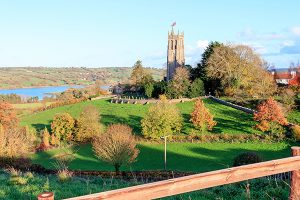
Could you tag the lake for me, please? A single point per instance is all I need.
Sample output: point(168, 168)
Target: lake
point(38, 91)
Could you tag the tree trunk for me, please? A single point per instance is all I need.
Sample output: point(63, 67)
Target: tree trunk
point(117, 168)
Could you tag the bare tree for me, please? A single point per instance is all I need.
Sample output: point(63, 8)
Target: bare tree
point(117, 146)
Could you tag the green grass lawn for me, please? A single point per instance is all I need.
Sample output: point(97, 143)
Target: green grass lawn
point(26, 186)
point(228, 119)
point(196, 157)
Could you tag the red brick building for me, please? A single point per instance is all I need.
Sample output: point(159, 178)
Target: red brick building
point(287, 76)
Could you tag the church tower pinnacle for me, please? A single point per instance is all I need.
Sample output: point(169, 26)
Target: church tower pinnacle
point(175, 52)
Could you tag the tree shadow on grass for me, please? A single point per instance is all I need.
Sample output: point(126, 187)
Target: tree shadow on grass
point(39, 127)
point(132, 120)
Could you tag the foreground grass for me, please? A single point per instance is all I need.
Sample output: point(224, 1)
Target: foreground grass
point(195, 157)
point(28, 187)
point(228, 119)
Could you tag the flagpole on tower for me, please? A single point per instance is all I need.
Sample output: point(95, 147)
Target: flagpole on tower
point(173, 24)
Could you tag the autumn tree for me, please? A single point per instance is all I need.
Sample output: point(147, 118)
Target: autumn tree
point(270, 111)
point(179, 86)
point(45, 137)
point(162, 119)
point(8, 116)
point(202, 118)
point(15, 142)
point(62, 127)
point(117, 146)
point(241, 71)
point(87, 125)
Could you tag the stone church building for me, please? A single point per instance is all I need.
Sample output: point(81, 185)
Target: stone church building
point(175, 53)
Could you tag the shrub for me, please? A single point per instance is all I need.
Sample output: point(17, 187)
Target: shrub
point(201, 118)
point(276, 131)
point(18, 180)
point(270, 111)
point(117, 146)
point(64, 175)
point(63, 160)
point(246, 159)
point(29, 175)
point(296, 132)
point(162, 119)
point(62, 127)
point(45, 137)
point(87, 125)
point(15, 142)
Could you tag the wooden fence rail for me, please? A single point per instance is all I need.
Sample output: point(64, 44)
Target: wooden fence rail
point(209, 179)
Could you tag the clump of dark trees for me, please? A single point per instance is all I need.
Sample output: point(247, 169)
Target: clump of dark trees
point(224, 70)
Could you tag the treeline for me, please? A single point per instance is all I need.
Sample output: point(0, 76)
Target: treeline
point(225, 70)
point(14, 98)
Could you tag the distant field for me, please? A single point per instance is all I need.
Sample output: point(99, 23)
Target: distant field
point(30, 105)
point(228, 119)
point(19, 77)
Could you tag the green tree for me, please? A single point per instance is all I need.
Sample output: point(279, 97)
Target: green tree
point(149, 89)
point(160, 88)
point(162, 119)
point(200, 71)
point(197, 88)
point(137, 74)
point(87, 125)
point(179, 86)
point(62, 127)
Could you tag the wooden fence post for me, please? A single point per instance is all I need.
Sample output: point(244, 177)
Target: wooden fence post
point(46, 196)
point(295, 180)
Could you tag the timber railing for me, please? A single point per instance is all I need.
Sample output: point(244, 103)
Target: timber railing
point(206, 180)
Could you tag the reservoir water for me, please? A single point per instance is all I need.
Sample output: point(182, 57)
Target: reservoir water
point(38, 91)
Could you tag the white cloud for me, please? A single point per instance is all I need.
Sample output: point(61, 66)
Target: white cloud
point(288, 43)
point(202, 44)
point(296, 30)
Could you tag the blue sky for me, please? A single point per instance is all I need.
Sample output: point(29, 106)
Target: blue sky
point(96, 33)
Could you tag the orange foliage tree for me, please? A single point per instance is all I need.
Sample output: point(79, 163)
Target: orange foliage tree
point(8, 116)
point(201, 117)
point(270, 111)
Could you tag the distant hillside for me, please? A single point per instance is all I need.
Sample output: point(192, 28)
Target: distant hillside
point(13, 77)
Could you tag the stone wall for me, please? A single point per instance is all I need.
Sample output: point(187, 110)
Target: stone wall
point(244, 109)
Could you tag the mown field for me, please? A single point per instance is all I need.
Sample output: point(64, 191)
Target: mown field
point(198, 157)
point(192, 157)
point(229, 120)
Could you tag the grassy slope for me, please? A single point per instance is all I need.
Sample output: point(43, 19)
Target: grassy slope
point(229, 120)
point(197, 157)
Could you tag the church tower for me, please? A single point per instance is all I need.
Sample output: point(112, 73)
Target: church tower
point(175, 53)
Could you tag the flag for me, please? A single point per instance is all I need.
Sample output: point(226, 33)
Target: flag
point(173, 24)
